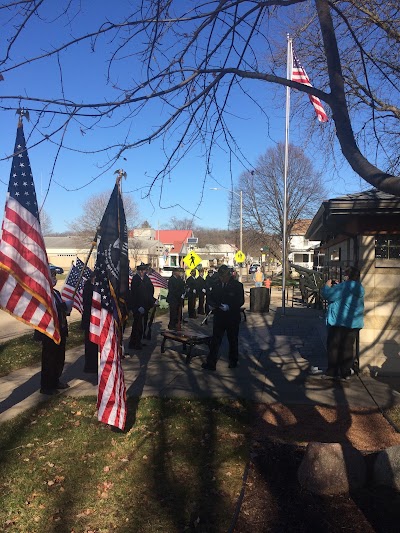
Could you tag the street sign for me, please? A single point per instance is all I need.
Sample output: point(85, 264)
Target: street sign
point(240, 257)
point(192, 260)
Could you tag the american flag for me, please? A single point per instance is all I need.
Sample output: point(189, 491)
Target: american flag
point(70, 285)
point(157, 280)
point(25, 283)
point(300, 75)
point(108, 305)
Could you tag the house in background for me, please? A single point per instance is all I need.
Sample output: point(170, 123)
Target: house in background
point(175, 247)
point(363, 230)
point(301, 251)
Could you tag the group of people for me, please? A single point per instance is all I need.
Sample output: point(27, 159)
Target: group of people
point(221, 294)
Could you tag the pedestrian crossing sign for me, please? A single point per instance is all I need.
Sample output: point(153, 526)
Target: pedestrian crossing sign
point(240, 257)
point(192, 260)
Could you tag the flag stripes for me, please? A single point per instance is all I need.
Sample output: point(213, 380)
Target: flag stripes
point(70, 291)
point(111, 398)
point(157, 280)
point(25, 284)
point(300, 76)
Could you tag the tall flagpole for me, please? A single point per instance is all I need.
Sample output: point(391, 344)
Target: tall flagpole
point(289, 64)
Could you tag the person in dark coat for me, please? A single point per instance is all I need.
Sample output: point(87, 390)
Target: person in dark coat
point(141, 299)
point(201, 292)
point(91, 349)
point(226, 299)
point(211, 278)
point(53, 355)
point(191, 291)
point(176, 298)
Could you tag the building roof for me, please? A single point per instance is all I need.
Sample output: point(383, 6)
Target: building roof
point(174, 237)
point(300, 227)
point(333, 214)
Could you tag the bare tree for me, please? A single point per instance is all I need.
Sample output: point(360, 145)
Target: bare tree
point(192, 59)
point(181, 223)
point(263, 197)
point(93, 211)
point(45, 222)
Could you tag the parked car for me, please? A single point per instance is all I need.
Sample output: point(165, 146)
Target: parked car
point(58, 270)
point(253, 268)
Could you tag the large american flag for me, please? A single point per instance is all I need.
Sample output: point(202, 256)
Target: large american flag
point(300, 75)
point(108, 311)
point(72, 290)
point(25, 283)
point(157, 280)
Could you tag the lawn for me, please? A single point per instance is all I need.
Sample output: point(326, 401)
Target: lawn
point(24, 351)
point(179, 464)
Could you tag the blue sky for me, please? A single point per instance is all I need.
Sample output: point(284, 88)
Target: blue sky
point(184, 191)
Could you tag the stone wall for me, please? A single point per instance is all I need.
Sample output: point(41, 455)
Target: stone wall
point(380, 338)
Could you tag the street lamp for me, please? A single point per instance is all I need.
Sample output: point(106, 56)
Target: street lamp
point(241, 210)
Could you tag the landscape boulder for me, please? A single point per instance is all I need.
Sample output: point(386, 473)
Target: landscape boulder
point(331, 468)
point(387, 468)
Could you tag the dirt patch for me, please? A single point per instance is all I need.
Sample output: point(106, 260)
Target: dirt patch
point(273, 499)
point(366, 429)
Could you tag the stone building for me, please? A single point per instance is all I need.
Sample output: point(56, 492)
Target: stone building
point(363, 230)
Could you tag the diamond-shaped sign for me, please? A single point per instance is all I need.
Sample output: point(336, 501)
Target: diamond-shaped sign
point(240, 257)
point(192, 260)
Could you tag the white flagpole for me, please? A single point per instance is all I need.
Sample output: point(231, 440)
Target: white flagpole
point(289, 66)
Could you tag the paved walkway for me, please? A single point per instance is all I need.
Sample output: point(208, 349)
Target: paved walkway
point(277, 350)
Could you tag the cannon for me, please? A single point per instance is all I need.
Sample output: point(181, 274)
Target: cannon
point(310, 284)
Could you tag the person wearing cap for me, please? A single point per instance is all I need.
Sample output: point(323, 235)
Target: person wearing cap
point(191, 291)
point(141, 299)
point(175, 298)
point(53, 355)
point(226, 299)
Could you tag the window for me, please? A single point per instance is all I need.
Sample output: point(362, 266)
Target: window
point(387, 247)
point(301, 258)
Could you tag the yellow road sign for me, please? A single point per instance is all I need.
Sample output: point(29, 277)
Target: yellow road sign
point(240, 257)
point(192, 260)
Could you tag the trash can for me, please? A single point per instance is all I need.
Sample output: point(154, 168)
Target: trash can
point(259, 299)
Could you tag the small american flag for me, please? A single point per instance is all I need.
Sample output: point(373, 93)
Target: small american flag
point(25, 284)
point(70, 285)
point(157, 280)
point(300, 75)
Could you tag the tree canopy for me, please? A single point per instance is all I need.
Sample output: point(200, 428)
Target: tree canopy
point(189, 61)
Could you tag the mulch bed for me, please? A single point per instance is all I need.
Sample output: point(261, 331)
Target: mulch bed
point(273, 499)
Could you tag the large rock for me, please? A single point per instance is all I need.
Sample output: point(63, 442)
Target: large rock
point(332, 468)
point(387, 468)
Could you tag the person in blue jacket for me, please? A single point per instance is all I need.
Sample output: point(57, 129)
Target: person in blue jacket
point(344, 318)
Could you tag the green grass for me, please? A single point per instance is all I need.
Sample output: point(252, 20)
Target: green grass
point(178, 467)
point(24, 351)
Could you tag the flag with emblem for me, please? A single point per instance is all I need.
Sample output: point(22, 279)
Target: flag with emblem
point(109, 310)
point(26, 290)
point(73, 285)
point(300, 75)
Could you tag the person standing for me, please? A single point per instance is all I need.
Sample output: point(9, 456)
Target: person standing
point(53, 355)
point(258, 277)
point(344, 319)
point(141, 299)
point(191, 291)
point(91, 349)
point(226, 299)
point(201, 292)
point(175, 298)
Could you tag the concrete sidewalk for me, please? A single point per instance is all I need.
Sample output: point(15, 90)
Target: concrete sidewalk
point(277, 350)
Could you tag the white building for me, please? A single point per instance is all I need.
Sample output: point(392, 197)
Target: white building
point(301, 250)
